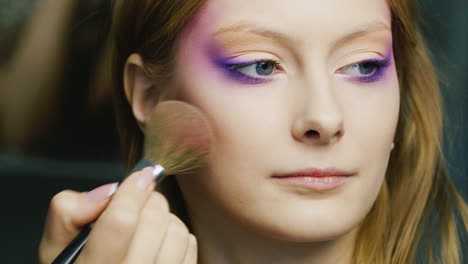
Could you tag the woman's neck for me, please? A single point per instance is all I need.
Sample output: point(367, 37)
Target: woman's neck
point(234, 244)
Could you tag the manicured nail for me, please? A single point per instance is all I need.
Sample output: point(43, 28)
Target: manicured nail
point(102, 192)
point(145, 178)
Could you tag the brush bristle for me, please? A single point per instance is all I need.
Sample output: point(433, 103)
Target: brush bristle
point(177, 137)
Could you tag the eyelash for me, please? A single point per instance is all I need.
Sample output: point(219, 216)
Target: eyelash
point(377, 74)
point(233, 70)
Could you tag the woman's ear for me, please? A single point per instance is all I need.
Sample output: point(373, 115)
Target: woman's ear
point(139, 89)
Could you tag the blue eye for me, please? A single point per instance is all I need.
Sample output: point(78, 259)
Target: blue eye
point(263, 68)
point(254, 72)
point(367, 71)
point(366, 68)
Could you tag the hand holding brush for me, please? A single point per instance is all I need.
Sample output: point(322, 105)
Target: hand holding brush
point(134, 225)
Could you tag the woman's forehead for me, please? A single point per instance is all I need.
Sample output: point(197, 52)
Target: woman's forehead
point(294, 22)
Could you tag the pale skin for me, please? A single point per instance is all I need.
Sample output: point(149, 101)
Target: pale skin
point(318, 108)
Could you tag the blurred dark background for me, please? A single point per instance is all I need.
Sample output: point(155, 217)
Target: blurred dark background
point(69, 141)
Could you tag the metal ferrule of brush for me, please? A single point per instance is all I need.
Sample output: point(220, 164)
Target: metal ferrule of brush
point(158, 171)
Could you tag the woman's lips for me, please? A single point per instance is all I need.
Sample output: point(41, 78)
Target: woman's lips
point(316, 179)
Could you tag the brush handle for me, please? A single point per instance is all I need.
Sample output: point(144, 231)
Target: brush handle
point(71, 252)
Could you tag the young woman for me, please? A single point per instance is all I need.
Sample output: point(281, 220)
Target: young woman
point(293, 90)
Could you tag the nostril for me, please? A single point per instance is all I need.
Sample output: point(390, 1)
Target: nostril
point(312, 134)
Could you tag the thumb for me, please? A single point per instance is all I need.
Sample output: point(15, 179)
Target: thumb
point(69, 211)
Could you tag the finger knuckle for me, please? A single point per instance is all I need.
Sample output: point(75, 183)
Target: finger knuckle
point(192, 250)
point(158, 200)
point(151, 214)
point(121, 218)
point(193, 241)
point(178, 226)
point(43, 255)
point(60, 202)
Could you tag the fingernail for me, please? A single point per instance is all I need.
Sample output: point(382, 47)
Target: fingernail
point(145, 178)
point(102, 192)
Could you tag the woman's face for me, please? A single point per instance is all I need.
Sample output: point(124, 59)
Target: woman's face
point(290, 87)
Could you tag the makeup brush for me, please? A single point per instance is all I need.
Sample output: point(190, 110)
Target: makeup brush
point(177, 139)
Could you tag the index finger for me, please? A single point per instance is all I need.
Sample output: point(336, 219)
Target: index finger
point(113, 231)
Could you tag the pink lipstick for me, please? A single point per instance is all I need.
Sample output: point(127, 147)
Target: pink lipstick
point(316, 179)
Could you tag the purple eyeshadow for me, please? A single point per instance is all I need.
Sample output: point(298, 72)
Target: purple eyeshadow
point(381, 66)
point(231, 70)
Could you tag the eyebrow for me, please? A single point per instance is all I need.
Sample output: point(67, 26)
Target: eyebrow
point(285, 40)
point(276, 36)
point(362, 31)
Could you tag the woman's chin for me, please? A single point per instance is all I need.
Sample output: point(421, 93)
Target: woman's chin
point(305, 230)
point(311, 235)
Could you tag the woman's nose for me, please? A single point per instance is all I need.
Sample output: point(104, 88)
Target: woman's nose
point(320, 119)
